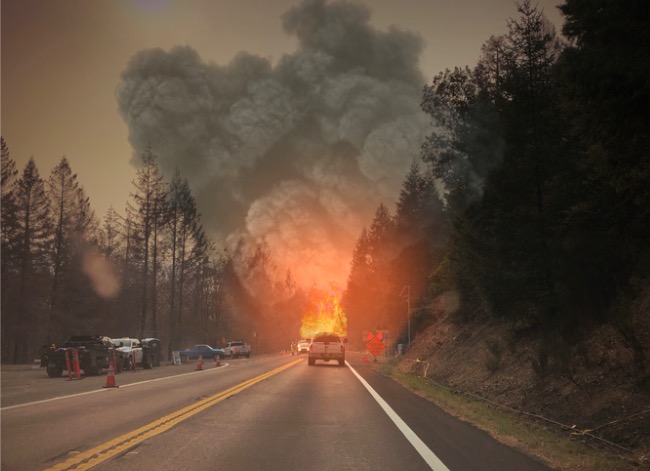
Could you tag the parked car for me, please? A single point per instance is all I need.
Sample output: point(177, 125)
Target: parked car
point(155, 347)
point(132, 351)
point(303, 346)
point(237, 348)
point(206, 351)
point(93, 351)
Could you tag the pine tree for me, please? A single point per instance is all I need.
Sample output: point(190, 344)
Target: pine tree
point(498, 148)
point(188, 248)
point(176, 198)
point(87, 225)
point(531, 157)
point(111, 245)
point(9, 210)
point(130, 267)
point(62, 190)
point(34, 252)
point(409, 206)
point(489, 72)
point(10, 245)
point(110, 238)
point(8, 214)
point(380, 238)
point(73, 301)
point(143, 214)
point(380, 252)
point(356, 297)
point(200, 275)
point(605, 89)
point(158, 249)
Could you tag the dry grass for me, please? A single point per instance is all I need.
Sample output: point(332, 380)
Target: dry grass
point(558, 449)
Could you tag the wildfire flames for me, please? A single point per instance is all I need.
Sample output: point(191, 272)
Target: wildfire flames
point(323, 314)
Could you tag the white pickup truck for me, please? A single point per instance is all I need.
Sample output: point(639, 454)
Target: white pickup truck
point(236, 349)
point(327, 346)
point(132, 353)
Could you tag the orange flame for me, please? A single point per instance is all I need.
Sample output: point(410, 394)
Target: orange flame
point(323, 314)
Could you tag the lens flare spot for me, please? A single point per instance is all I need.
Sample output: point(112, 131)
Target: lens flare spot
point(101, 274)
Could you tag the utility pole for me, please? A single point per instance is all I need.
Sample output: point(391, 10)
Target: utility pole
point(406, 293)
point(408, 313)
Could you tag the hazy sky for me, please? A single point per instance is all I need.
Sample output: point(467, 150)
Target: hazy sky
point(62, 64)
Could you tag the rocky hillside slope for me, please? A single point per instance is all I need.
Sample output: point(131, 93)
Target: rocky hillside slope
point(599, 387)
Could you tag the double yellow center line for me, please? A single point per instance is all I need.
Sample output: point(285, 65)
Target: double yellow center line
point(107, 450)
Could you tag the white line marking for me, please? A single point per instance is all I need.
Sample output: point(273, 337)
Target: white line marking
point(52, 399)
point(425, 452)
point(104, 390)
point(175, 376)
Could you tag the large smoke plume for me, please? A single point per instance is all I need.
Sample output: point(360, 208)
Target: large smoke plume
point(300, 152)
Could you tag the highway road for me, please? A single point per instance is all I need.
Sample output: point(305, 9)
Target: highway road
point(268, 412)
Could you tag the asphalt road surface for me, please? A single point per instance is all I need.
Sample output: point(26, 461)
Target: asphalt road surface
point(266, 412)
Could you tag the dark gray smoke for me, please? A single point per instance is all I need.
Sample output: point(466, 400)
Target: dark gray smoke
point(301, 152)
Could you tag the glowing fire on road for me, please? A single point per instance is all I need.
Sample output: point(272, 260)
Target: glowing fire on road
point(323, 314)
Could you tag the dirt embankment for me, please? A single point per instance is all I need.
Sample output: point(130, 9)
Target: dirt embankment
point(600, 386)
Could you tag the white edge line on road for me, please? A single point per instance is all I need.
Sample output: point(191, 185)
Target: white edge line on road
point(104, 390)
point(425, 452)
point(175, 376)
point(25, 404)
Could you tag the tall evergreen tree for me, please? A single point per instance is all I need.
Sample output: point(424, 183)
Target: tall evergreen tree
point(10, 246)
point(144, 214)
point(418, 208)
point(605, 85)
point(467, 142)
point(131, 270)
point(87, 224)
point(111, 242)
point(498, 150)
point(356, 298)
point(380, 252)
point(8, 214)
point(178, 197)
point(200, 274)
point(62, 190)
point(189, 247)
point(36, 235)
point(158, 250)
point(531, 158)
point(111, 245)
point(90, 301)
point(73, 302)
point(421, 232)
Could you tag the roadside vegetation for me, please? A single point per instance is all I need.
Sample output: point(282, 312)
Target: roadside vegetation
point(533, 204)
point(558, 448)
point(532, 210)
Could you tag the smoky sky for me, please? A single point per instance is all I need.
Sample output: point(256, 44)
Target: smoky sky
point(300, 152)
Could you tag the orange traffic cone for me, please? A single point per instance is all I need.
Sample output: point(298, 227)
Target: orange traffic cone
point(199, 363)
point(110, 379)
point(218, 360)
